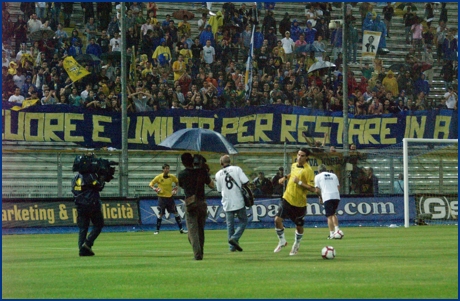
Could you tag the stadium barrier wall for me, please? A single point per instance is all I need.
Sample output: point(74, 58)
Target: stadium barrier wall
point(132, 214)
point(353, 211)
point(59, 215)
point(61, 212)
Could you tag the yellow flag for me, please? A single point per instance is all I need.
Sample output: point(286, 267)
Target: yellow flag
point(25, 104)
point(74, 69)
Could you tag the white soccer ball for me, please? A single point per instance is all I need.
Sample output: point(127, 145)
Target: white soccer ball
point(338, 234)
point(328, 252)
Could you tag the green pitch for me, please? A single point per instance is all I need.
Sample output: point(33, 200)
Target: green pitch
point(418, 262)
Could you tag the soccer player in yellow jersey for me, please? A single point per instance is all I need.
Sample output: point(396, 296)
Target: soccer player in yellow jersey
point(293, 205)
point(165, 192)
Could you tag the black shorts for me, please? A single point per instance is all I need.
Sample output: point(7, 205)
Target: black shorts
point(167, 204)
point(331, 207)
point(295, 214)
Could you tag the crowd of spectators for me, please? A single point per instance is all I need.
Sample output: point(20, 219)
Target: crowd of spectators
point(169, 67)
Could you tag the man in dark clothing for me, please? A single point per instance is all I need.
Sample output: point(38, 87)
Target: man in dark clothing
point(271, 38)
point(86, 188)
point(196, 50)
point(388, 12)
point(409, 20)
point(278, 188)
point(406, 83)
point(88, 11)
point(268, 23)
point(103, 11)
point(263, 185)
point(285, 24)
point(370, 183)
point(67, 10)
point(192, 180)
point(20, 32)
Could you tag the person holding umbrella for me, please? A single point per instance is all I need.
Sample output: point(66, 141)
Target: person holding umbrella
point(192, 180)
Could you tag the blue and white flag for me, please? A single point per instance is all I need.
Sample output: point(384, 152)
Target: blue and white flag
point(248, 74)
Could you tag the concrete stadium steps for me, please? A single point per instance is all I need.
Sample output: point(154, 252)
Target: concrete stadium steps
point(35, 174)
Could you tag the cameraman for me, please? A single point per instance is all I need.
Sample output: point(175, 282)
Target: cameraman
point(192, 179)
point(85, 188)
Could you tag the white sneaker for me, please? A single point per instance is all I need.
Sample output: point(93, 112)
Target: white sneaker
point(280, 246)
point(156, 232)
point(295, 249)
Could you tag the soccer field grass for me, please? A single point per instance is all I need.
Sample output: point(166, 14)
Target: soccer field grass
point(417, 262)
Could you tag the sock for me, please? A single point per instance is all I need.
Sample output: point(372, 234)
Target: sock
point(298, 237)
point(336, 228)
point(280, 233)
point(158, 224)
point(179, 222)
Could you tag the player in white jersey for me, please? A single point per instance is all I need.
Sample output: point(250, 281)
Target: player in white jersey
point(229, 182)
point(327, 187)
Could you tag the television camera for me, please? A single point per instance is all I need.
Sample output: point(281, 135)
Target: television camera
point(200, 162)
point(90, 164)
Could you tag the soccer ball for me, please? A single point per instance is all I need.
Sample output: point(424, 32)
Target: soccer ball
point(328, 252)
point(338, 234)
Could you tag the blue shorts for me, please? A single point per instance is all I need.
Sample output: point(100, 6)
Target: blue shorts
point(331, 207)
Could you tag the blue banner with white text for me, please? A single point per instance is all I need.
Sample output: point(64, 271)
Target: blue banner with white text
point(274, 124)
point(352, 211)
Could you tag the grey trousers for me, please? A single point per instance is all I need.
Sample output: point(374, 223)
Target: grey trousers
point(196, 221)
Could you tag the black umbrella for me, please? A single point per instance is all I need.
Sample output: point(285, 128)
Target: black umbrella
point(400, 67)
point(403, 5)
point(195, 139)
point(41, 34)
point(114, 55)
point(87, 58)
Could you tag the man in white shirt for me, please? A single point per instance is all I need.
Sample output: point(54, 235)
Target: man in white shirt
point(19, 78)
point(202, 22)
point(115, 42)
point(288, 46)
point(23, 50)
point(327, 188)
point(49, 98)
point(229, 182)
point(451, 98)
point(16, 97)
point(209, 53)
point(84, 95)
point(398, 185)
point(33, 24)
